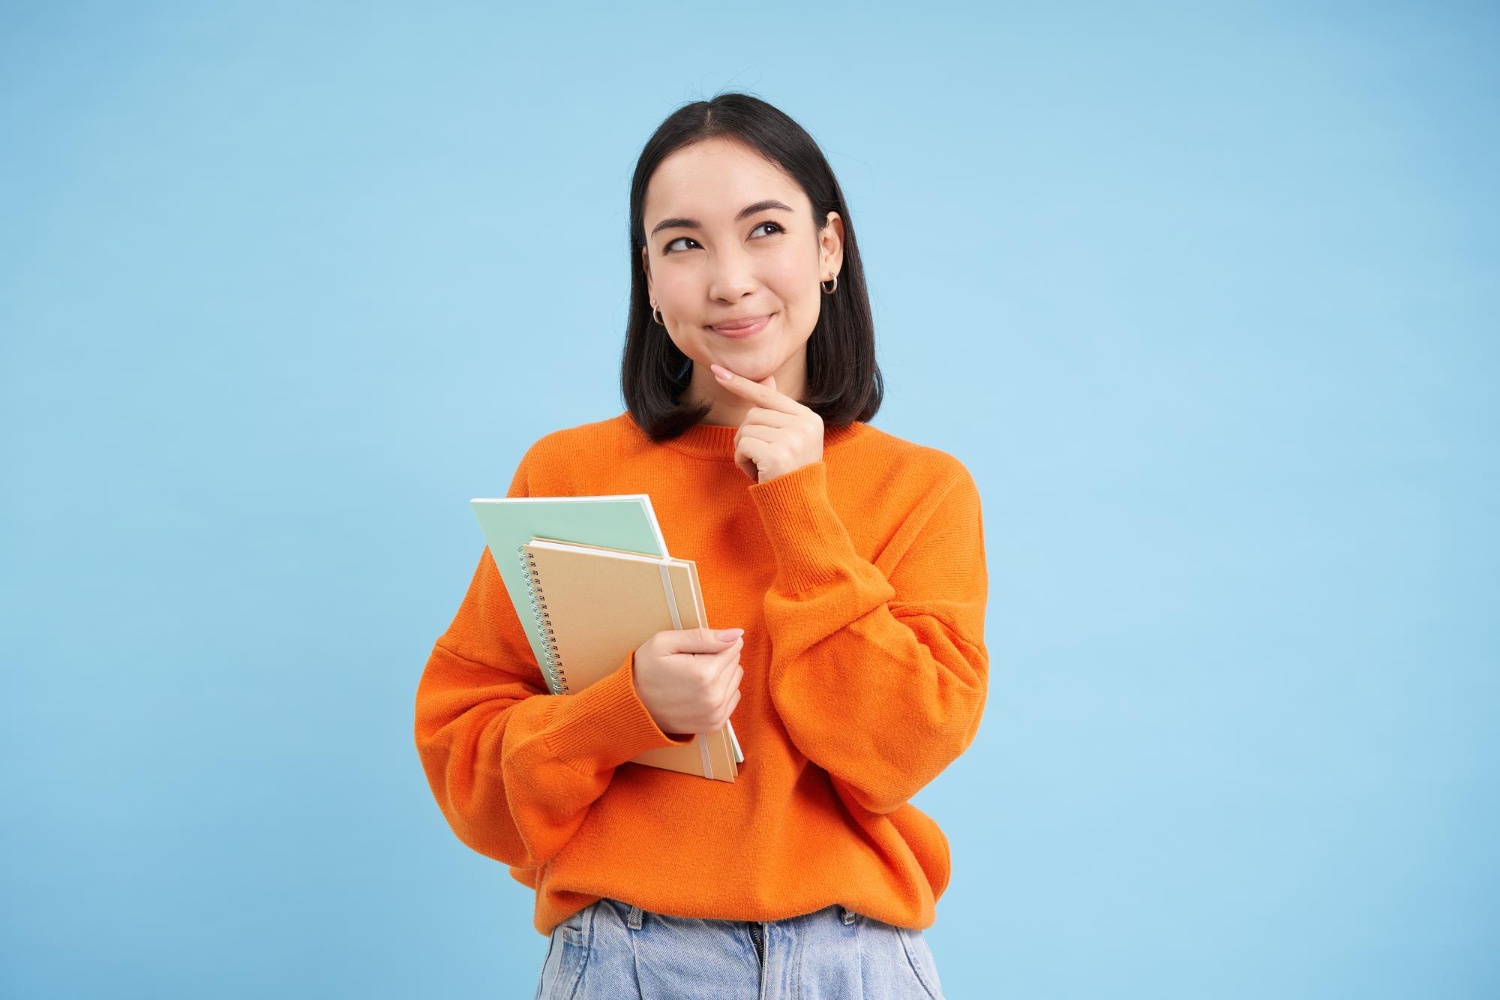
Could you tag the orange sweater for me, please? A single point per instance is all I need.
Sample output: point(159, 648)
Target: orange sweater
point(860, 582)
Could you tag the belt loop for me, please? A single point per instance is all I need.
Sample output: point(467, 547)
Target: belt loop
point(847, 914)
point(634, 918)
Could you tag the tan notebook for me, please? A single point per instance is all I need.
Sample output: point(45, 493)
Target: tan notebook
point(595, 605)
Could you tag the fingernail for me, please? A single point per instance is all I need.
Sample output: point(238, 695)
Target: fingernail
point(722, 374)
point(731, 634)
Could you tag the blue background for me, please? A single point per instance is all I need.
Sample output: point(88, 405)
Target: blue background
point(1204, 295)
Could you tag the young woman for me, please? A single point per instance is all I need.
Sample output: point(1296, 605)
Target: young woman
point(843, 569)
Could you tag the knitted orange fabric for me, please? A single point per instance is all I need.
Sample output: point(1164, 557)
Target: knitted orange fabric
point(860, 582)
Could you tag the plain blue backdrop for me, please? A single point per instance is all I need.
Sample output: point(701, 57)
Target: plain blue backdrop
point(1205, 296)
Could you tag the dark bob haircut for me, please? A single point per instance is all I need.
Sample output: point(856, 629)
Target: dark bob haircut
point(843, 381)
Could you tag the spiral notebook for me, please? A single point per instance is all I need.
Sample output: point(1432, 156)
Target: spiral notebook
point(594, 605)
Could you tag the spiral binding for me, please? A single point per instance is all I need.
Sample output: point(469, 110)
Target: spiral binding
point(557, 681)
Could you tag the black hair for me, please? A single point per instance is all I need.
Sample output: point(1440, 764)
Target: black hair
point(843, 381)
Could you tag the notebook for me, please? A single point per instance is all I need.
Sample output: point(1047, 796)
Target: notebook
point(625, 521)
point(622, 522)
point(594, 605)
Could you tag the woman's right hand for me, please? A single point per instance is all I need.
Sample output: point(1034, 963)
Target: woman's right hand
point(689, 679)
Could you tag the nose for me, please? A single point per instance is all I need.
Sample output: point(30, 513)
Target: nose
point(733, 276)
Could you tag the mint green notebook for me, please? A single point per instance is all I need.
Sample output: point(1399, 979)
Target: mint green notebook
point(623, 522)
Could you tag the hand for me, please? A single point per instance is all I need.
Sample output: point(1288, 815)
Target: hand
point(689, 679)
point(778, 435)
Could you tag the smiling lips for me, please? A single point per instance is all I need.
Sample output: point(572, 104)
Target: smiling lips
point(738, 328)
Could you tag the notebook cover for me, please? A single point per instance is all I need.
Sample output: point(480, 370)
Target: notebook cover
point(601, 605)
point(624, 521)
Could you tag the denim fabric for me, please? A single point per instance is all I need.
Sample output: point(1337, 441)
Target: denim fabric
point(616, 951)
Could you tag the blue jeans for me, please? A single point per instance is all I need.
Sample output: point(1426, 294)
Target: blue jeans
point(615, 951)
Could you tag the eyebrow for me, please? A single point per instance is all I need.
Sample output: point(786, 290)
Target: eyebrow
point(748, 210)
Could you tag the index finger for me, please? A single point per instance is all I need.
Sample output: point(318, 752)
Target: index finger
point(761, 395)
point(700, 640)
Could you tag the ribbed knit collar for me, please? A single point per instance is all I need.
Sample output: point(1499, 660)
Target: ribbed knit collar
point(715, 441)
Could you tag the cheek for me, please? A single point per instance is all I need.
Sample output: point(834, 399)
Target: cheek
point(792, 276)
point(674, 286)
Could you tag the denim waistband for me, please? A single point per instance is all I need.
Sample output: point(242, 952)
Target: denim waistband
point(635, 915)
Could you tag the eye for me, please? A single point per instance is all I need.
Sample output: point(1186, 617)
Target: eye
point(774, 225)
point(680, 239)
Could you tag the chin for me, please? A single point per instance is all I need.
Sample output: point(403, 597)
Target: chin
point(752, 367)
point(752, 372)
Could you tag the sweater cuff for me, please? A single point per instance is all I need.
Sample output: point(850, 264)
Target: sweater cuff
point(605, 724)
point(807, 537)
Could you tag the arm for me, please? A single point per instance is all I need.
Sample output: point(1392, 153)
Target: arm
point(514, 768)
point(879, 680)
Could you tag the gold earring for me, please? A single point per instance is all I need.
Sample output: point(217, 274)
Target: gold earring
point(657, 316)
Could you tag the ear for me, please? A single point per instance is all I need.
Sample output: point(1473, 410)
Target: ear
point(831, 246)
point(646, 266)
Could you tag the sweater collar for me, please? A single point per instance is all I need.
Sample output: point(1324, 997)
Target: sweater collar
point(715, 441)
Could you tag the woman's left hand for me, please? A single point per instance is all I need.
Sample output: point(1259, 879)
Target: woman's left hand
point(778, 435)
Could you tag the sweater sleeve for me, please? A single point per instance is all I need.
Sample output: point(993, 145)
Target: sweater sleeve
point(513, 767)
point(880, 680)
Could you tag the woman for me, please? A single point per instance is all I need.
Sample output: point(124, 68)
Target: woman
point(844, 571)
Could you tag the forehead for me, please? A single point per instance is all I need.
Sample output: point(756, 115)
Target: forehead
point(714, 179)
